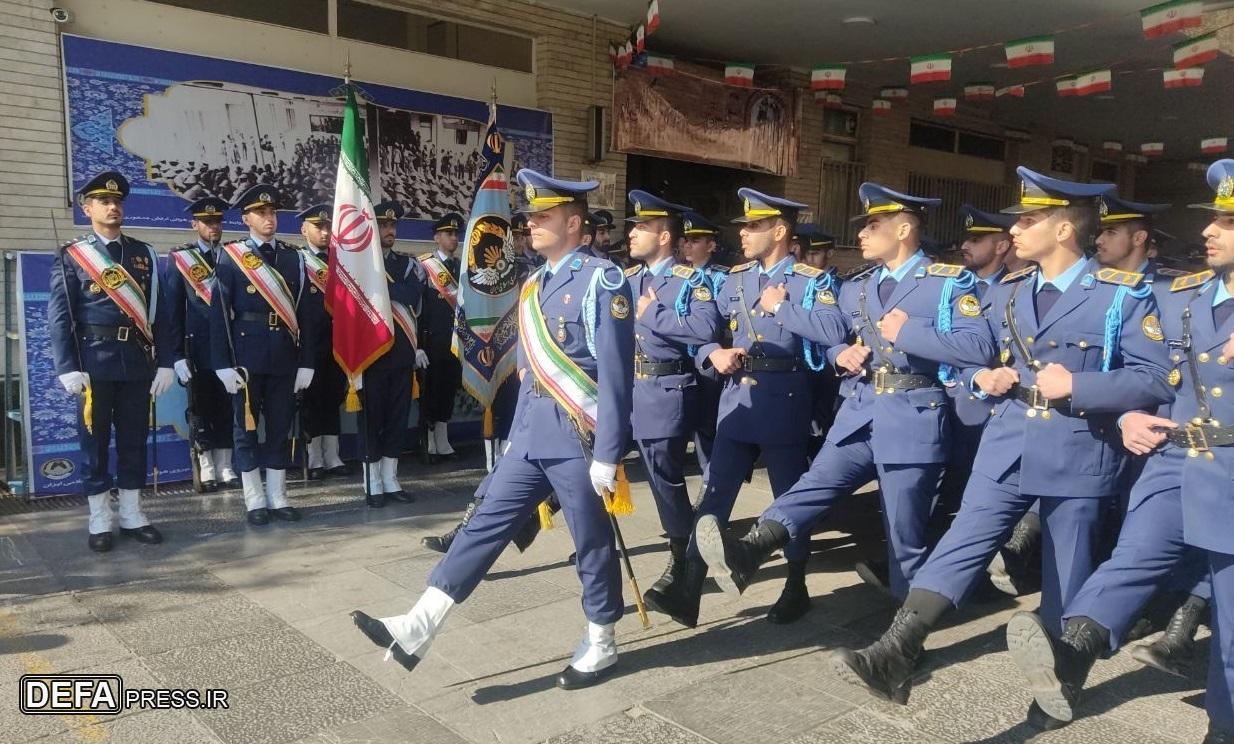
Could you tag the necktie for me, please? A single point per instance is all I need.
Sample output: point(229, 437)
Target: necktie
point(763, 279)
point(1046, 297)
point(885, 288)
point(545, 279)
point(1222, 312)
point(267, 252)
point(115, 251)
point(452, 266)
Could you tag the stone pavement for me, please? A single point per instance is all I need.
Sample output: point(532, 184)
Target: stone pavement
point(263, 613)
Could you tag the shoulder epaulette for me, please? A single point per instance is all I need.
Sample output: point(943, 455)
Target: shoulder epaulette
point(859, 271)
point(1118, 276)
point(742, 267)
point(424, 256)
point(943, 269)
point(634, 270)
point(806, 269)
point(682, 272)
point(1191, 280)
point(184, 247)
point(721, 268)
point(1017, 275)
point(1166, 271)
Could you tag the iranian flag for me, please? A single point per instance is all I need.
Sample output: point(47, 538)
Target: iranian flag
point(944, 106)
point(931, 68)
point(827, 77)
point(1034, 50)
point(1112, 146)
point(828, 100)
point(626, 55)
point(356, 292)
point(893, 94)
point(1066, 86)
point(1187, 77)
point(659, 66)
point(653, 16)
point(640, 38)
point(614, 53)
point(739, 74)
point(979, 92)
point(1197, 51)
point(1014, 91)
point(1167, 18)
point(1214, 145)
point(1097, 81)
point(881, 107)
point(1152, 149)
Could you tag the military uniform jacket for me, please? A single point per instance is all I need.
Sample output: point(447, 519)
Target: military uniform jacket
point(314, 301)
point(1207, 478)
point(682, 318)
point(406, 285)
point(437, 320)
point(259, 347)
point(188, 313)
point(909, 426)
point(541, 429)
point(76, 298)
point(969, 409)
point(1077, 451)
point(766, 407)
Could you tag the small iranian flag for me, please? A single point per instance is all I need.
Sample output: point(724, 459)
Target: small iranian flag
point(653, 16)
point(1112, 146)
point(1015, 91)
point(614, 53)
point(1214, 145)
point(659, 66)
point(979, 92)
point(881, 107)
point(1066, 86)
point(932, 68)
point(640, 38)
point(827, 77)
point(739, 74)
point(1097, 81)
point(1187, 77)
point(1152, 149)
point(828, 100)
point(944, 106)
point(1034, 50)
point(1167, 18)
point(893, 94)
point(1196, 51)
point(627, 54)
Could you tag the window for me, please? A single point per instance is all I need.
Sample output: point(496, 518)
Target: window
point(306, 15)
point(931, 137)
point(1105, 171)
point(981, 146)
point(840, 123)
point(417, 33)
point(946, 139)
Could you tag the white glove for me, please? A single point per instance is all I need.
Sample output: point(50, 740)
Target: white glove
point(183, 372)
point(162, 381)
point(304, 378)
point(421, 359)
point(357, 382)
point(603, 477)
point(74, 382)
point(231, 379)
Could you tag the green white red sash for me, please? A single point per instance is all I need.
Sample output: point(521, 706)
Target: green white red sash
point(403, 316)
point(269, 284)
point(195, 271)
point(116, 281)
point(315, 269)
point(570, 386)
point(439, 275)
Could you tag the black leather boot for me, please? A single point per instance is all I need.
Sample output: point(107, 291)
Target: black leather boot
point(681, 600)
point(441, 543)
point(734, 560)
point(1174, 652)
point(794, 600)
point(886, 667)
point(1056, 670)
point(674, 570)
point(1009, 571)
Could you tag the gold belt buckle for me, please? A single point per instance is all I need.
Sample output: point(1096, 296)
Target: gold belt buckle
point(1038, 402)
point(272, 319)
point(122, 333)
point(1197, 440)
point(880, 381)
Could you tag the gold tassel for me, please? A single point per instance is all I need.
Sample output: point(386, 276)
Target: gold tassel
point(250, 423)
point(87, 409)
point(546, 515)
point(620, 504)
point(488, 423)
point(415, 387)
point(352, 404)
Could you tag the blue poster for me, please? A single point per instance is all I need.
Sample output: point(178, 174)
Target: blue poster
point(50, 413)
point(181, 126)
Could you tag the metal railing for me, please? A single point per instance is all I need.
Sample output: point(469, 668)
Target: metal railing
point(946, 224)
point(837, 198)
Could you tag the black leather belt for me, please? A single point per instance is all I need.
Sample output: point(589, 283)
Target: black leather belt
point(650, 369)
point(271, 319)
point(886, 381)
point(768, 364)
point(1036, 402)
point(119, 333)
point(1199, 438)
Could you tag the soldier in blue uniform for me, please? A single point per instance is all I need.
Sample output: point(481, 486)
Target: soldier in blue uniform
point(386, 385)
point(675, 313)
point(576, 358)
point(320, 404)
point(188, 282)
point(112, 344)
point(1078, 345)
point(913, 324)
point(814, 249)
point(263, 340)
point(444, 373)
point(782, 317)
point(1180, 500)
point(698, 248)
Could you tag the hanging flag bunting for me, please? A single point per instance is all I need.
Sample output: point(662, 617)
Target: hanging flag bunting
point(626, 54)
point(739, 73)
point(944, 106)
point(894, 93)
point(1214, 145)
point(1197, 51)
point(1097, 81)
point(881, 107)
point(979, 92)
point(1082, 149)
point(1112, 146)
point(614, 53)
point(931, 68)
point(1187, 77)
point(1015, 91)
point(640, 38)
point(827, 77)
point(1034, 50)
point(653, 16)
point(1194, 166)
point(1063, 142)
point(828, 100)
point(659, 66)
point(1066, 86)
point(1152, 149)
point(1167, 18)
